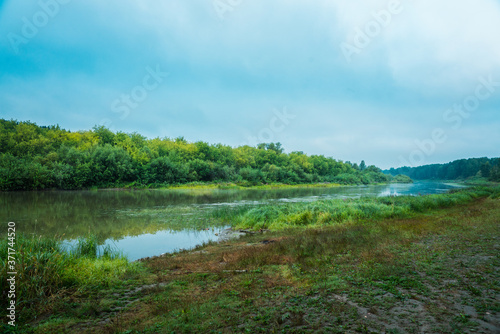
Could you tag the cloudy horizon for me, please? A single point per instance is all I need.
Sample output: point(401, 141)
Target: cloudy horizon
point(389, 82)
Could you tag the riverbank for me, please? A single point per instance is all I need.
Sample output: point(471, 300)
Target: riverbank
point(433, 268)
point(197, 187)
point(324, 213)
point(235, 186)
point(220, 186)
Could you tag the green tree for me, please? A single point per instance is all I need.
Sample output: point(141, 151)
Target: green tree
point(162, 170)
point(362, 165)
point(203, 170)
point(40, 157)
point(485, 169)
point(111, 165)
point(104, 135)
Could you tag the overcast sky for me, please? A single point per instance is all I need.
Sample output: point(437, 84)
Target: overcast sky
point(391, 82)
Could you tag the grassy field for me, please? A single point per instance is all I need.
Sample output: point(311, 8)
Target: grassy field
point(388, 265)
point(245, 186)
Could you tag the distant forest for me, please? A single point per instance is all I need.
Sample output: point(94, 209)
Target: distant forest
point(456, 170)
point(48, 157)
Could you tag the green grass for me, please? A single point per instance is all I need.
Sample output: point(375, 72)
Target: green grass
point(217, 185)
point(88, 247)
point(437, 269)
point(335, 211)
point(394, 264)
point(245, 185)
point(45, 269)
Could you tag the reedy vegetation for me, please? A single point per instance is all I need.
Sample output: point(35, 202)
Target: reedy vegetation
point(294, 279)
point(45, 268)
point(329, 212)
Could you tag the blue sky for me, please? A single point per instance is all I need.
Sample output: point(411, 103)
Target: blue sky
point(391, 82)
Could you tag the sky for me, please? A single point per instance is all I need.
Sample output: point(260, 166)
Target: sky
point(390, 82)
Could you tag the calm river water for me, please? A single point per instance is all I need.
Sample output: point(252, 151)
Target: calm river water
point(144, 223)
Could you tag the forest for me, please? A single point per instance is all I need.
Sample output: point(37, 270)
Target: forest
point(455, 170)
point(34, 157)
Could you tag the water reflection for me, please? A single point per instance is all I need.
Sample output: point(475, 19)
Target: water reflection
point(156, 221)
point(149, 244)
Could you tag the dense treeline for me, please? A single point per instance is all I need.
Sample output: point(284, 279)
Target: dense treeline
point(42, 157)
point(458, 169)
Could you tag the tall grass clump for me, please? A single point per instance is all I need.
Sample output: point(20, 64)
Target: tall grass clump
point(229, 212)
point(46, 268)
point(334, 211)
point(496, 193)
point(88, 247)
point(40, 264)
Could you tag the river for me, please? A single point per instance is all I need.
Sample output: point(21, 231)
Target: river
point(143, 223)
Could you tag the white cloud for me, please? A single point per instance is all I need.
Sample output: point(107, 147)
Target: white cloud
point(430, 44)
point(446, 43)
